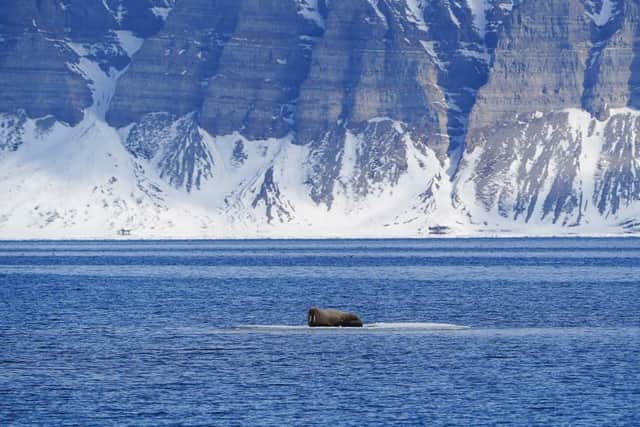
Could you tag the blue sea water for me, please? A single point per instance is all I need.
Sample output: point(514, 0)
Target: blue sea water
point(156, 333)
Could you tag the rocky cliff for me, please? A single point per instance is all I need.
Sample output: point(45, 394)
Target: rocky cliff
point(314, 117)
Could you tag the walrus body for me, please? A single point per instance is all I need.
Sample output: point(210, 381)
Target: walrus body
point(330, 317)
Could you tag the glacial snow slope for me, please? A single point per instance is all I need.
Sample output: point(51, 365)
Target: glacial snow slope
point(366, 118)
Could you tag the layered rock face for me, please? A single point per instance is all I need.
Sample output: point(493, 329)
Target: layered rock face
point(35, 76)
point(39, 57)
point(185, 53)
point(554, 60)
point(412, 115)
point(268, 72)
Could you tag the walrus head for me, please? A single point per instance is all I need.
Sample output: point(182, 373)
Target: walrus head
point(312, 316)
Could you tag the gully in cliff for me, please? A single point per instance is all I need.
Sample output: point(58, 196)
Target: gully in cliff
point(330, 317)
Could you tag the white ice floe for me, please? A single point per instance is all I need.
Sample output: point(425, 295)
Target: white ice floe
point(389, 327)
point(415, 326)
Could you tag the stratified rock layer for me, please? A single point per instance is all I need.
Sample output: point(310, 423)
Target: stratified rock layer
point(471, 113)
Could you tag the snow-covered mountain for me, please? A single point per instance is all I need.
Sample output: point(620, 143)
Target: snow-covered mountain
point(319, 118)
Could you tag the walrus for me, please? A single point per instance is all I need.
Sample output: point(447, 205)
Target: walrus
point(330, 317)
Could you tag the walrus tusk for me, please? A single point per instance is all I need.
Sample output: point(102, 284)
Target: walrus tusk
point(330, 317)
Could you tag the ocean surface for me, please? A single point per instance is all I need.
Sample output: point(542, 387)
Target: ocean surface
point(212, 332)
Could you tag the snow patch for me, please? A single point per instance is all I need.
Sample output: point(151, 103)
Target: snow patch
point(483, 56)
point(129, 42)
point(161, 12)
point(102, 83)
point(429, 47)
point(415, 13)
point(590, 151)
point(453, 17)
point(309, 10)
point(607, 10)
point(118, 14)
point(507, 6)
point(376, 9)
point(71, 181)
point(479, 10)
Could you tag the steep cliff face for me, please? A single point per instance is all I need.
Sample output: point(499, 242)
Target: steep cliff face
point(48, 49)
point(172, 68)
point(553, 122)
point(315, 117)
point(35, 75)
point(368, 71)
point(257, 84)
